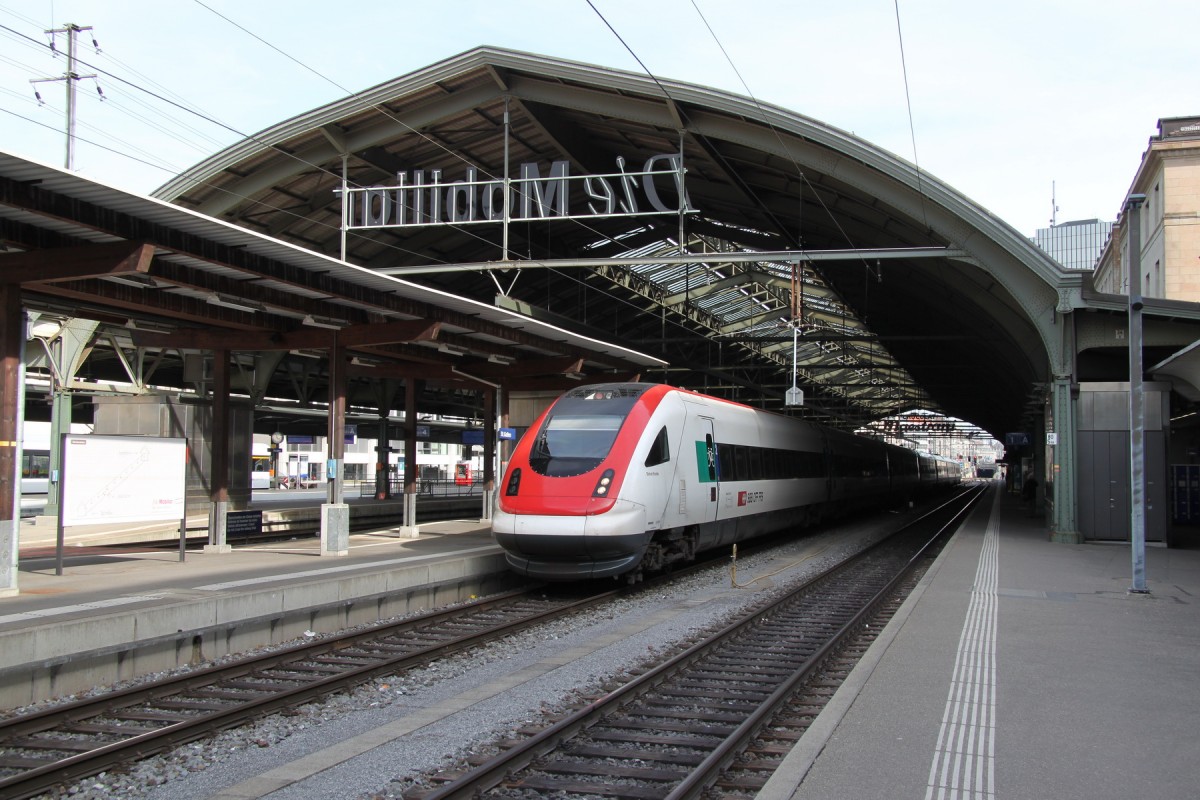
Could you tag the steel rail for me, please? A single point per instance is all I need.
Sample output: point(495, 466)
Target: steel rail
point(717, 761)
point(39, 779)
point(497, 769)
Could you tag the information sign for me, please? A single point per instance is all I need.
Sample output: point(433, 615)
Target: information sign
point(122, 479)
point(243, 524)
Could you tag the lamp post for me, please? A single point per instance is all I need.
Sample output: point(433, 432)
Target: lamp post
point(1137, 421)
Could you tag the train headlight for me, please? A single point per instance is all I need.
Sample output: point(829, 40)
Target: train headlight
point(604, 484)
point(514, 482)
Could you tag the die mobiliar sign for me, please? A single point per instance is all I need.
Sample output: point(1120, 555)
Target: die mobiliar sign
point(421, 198)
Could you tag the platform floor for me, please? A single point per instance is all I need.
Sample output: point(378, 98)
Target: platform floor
point(96, 578)
point(119, 612)
point(1020, 669)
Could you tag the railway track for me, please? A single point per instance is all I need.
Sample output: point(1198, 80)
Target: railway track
point(59, 745)
point(742, 696)
point(67, 742)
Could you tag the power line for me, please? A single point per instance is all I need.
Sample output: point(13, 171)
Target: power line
point(215, 121)
point(387, 114)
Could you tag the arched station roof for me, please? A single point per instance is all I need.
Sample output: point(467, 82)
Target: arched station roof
point(911, 294)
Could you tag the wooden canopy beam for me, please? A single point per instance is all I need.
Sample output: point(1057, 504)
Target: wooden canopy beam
point(73, 263)
point(303, 339)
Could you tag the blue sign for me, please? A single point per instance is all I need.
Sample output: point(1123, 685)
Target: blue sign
point(422, 431)
point(475, 436)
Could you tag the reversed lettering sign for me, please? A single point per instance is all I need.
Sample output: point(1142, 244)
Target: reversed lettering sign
point(420, 199)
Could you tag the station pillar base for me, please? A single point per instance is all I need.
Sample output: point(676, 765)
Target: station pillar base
point(1066, 537)
point(335, 529)
point(218, 548)
point(409, 530)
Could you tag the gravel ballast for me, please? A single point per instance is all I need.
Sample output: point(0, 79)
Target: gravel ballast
point(375, 741)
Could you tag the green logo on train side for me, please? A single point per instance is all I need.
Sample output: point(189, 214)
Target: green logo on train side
point(706, 463)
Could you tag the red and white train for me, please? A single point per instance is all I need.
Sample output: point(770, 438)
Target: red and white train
point(628, 477)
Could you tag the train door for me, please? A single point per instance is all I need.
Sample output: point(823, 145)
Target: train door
point(696, 482)
point(707, 470)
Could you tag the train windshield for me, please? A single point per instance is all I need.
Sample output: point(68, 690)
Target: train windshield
point(578, 435)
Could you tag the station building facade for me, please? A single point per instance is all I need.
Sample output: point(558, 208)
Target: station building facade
point(1169, 177)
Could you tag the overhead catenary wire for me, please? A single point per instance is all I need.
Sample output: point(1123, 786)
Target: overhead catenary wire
point(912, 129)
point(791, 157)
point(391, 245)
point(387, 113)
point(173, 170)
point(183, 107)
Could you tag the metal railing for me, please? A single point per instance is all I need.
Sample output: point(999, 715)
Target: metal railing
point(440, 487)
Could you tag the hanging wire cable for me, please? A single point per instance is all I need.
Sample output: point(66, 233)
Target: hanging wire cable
point(182, 107)
point(227, 127)
point(265, 206)
point(188, 108)
point(778, 136)
point(787, 150)
point(387, 113)
point(911, 127)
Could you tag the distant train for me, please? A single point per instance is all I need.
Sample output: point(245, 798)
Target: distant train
point(35, 471)
point(617, 479)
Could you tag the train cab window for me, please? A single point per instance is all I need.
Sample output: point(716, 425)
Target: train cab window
point(660, 451)
point(572, 444)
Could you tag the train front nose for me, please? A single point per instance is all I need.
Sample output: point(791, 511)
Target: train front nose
point(574, 547)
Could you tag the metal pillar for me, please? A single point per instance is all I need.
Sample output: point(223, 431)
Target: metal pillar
point(383, 448)
point(65, 351)
point(1065, 527)
point(12, 407)
point(219, 449)
point(489, 452)
point(61, 416)
point(409, 528)
point(335, 514)
point(1137, 413)
point(383, 451)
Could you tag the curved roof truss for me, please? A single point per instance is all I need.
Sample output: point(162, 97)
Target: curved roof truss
point(912, 294)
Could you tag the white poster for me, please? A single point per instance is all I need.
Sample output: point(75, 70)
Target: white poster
point(123, 479)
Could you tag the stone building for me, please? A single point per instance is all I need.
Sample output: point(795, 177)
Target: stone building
point(1169, 177)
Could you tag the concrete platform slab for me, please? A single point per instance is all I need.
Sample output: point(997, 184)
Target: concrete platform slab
point(1020, 668)
point(113, 608)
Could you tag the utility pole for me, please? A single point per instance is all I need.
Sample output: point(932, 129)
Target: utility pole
point(71, 77)
point(66, 344)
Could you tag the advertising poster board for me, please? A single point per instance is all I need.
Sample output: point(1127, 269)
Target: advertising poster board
point(122, 479)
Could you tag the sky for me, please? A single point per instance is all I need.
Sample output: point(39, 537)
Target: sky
point(1012, 104)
